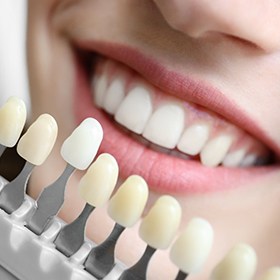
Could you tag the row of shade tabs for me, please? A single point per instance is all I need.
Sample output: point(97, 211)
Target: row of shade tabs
point(189, 250)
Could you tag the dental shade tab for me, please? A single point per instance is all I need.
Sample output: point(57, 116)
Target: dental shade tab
point(96, 187)
point(191, 249)
point(86, 139)
point(34, 146)
point(27, 254)
point(125, 208)
point(12, 121)
point(157, 229)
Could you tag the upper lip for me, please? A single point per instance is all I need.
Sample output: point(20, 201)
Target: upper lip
point(181, 86)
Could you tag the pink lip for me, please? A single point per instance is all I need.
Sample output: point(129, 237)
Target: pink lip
point(166, 174)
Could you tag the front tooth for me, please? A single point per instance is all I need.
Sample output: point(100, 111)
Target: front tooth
point(234, 159)
point(97, 185)
point(81, 146)
point(12, 120)
point(159, 227)
point(272, 274)
point(238, 264)
point(36, 144)
point(135, 109)
point(165, 125)
point(215, 150)
point(99, 86)
point(114, 95)
point(193, 246)
point(127, 205)
point(194, 139)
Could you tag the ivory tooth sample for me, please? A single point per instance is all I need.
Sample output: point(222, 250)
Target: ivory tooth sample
point(127, 205)
point(34, 146)
point(239, 264)
point(12, 120)
point(157, 229)
point(272, 274)
point(125, 208)
point(78, 150)
point(96, 187)
point(192, 247)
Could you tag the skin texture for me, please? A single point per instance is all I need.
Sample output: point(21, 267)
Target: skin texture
point(235, 47)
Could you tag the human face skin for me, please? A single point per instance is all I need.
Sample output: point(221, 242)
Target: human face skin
point(230, 54)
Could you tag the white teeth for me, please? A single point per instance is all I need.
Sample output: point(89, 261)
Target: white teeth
point(193, 246)
point(159, 227)
point(233, 159)
point(194, 139)
point(99, 85)
point(114, 95)
point(97, 185)
point(166, 125)
point(128, 203)
point(239, 264)
point(36, 144)
point(215, 150)
point(12, 120)
point(80, 148)
point(272, 274)
point(249, 160)
point(135, 109)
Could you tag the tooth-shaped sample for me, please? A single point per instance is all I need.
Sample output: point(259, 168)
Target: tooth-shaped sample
point(127, 205)
point(36, 144)
point(234, 159)
point(80, 148)
point(239, 264)
point(159, 227)
point(272, 274)
point(114, 95)
point(193, 139)
point(193, 246)
point(135, 109)
point(12, 120)
point(97, 185)
point(166, 125)
point(99, 86)
point(215, 150)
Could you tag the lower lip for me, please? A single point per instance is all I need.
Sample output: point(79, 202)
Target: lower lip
point(163, 173)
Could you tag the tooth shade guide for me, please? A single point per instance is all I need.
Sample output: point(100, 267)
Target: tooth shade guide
point(37, 142)
point(47, 208)
point(12, 120)
point(34, 146)
point(127, 204)
point(13, 193)
point(98, 183)
point(238, 264)
point(80, 148)
point(192, 247)
point(272, 274)
point(71, 237)
point(101, 259)
point(160, 225)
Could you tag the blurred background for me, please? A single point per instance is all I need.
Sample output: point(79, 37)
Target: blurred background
point(13, 70)
point(13, 74)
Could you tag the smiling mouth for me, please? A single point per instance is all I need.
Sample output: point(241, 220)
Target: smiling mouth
point(148, 126)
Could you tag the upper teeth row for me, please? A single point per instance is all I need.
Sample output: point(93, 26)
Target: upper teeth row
point(135, 107)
